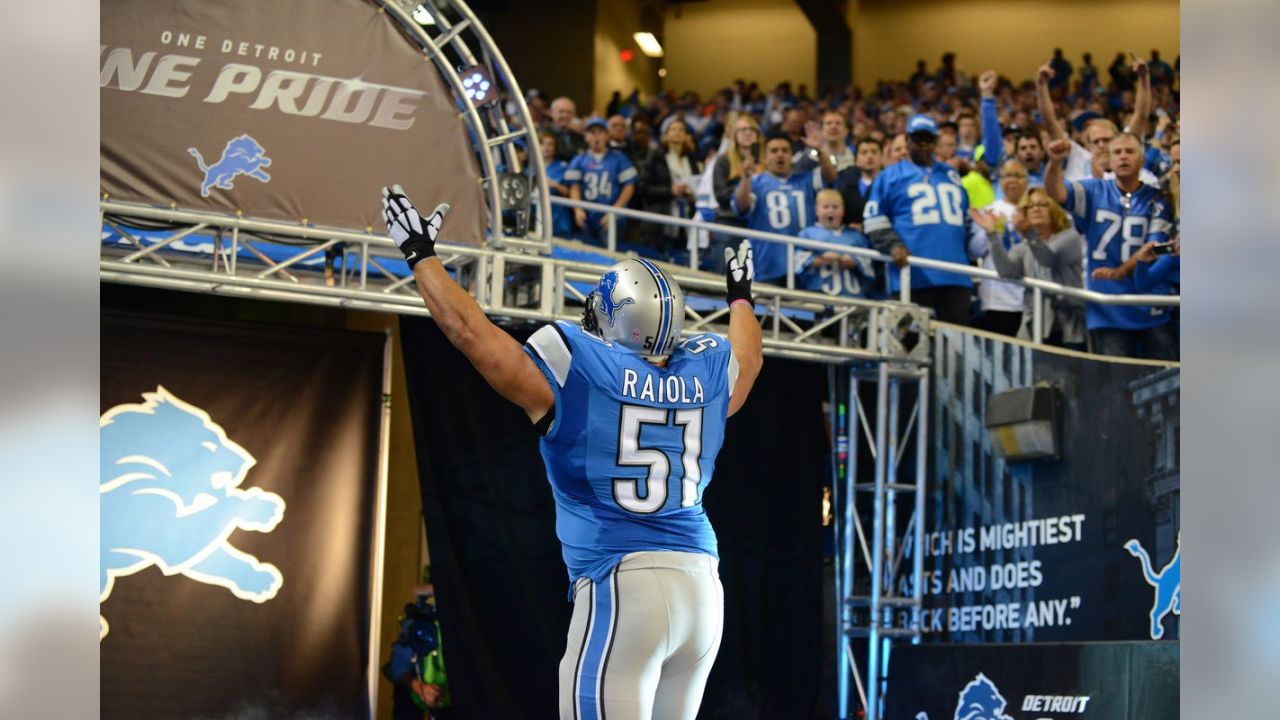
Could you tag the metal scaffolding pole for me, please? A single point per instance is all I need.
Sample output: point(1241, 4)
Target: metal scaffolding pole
point(886, 608)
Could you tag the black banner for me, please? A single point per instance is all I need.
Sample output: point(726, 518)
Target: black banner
point(1039, 681)
point(239, 465)
point(1081, 548)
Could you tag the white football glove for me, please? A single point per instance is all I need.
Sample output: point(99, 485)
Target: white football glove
point(415, 237)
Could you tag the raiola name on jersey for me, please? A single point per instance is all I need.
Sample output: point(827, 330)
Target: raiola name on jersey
point(672, 388)
point(1114, 226)
point(632, 445)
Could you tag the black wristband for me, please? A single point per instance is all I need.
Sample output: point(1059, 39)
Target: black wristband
point(417, 249)
point(739, 291)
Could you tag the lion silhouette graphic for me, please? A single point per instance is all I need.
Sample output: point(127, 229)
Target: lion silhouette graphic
point(170, 497)
point(1167, 584)
point(242, 156)
point(980, 700)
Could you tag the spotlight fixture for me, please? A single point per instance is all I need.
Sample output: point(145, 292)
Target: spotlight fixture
point(477, 85)
point(649, 44)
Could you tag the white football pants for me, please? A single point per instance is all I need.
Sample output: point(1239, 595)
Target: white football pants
point(643, 640)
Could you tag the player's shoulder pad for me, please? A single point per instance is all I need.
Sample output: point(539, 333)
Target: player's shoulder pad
point(704, 345)
point(714, 350)
point(553, 345)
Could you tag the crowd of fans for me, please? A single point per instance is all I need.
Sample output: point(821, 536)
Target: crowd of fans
point(1071, 176)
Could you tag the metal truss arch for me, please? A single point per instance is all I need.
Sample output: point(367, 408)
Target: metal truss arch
point(461, 38)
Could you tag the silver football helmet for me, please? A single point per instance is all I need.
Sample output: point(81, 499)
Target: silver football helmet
point(636, 306)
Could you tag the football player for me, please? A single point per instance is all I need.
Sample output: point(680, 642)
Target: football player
point(631, 417)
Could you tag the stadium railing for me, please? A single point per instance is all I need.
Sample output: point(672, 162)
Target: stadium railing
point(1036, 286)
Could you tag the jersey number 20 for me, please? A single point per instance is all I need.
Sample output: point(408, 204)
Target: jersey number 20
point(926, 200)
point(626, 491)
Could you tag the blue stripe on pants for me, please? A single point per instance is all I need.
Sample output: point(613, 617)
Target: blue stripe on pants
point(600, 639)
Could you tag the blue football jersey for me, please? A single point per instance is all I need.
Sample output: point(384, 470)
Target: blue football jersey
point(780, 205)
point(929, 209)
point(632, 446)
point(561, 216)
point(1114, 226)
point(601, 178)
point(833, 279)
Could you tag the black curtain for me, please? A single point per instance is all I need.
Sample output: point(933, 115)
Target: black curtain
point(502, 586)
point(765, 501)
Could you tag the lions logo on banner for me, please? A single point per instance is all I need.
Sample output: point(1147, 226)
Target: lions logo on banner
point(979, 700)
point(1167, 584)
point(170, 497)
point(242, 156)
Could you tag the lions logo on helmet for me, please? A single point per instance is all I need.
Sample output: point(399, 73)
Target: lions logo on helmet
point(608, 283)
point(636, 306)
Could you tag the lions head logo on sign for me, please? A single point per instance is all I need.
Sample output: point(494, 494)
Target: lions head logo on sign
point(170, 496)
point(242, 156)
point(979, 700)
point(1167, 584)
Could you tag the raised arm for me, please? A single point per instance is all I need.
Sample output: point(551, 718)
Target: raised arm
point(992, 138)
point(495, 355)
point(743, 193)
point(1142, 98)
point(813, 140)
point(745, 339)
point(1044, 101)
point(1053, 183)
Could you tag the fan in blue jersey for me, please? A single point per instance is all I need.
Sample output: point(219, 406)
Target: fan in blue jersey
point(1117, 217)
point(831, 272)
point(561, 216)
point(920, 208)
point(778, 200)
point(632, 418)
point(599, 175)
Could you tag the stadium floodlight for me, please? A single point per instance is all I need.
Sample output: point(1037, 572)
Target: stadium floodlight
point(1025, 423)
point(649, 44)
point(422, 16)
point(478, 85)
